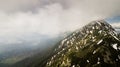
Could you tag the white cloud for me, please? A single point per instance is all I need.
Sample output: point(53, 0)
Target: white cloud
point(23, 17)
point(116, 25)
point(16, 5)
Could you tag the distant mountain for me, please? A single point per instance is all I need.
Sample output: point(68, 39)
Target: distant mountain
point(38, 56)
point(24, 54)
point(95, 45)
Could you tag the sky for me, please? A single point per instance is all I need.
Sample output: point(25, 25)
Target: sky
point(22, 19)
point(114, 21)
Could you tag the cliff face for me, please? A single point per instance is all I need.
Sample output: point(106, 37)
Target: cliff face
point(95, 45)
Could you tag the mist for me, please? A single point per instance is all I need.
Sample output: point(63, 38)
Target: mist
point(21, 20)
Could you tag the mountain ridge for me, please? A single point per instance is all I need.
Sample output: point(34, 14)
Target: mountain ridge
point(91, 39)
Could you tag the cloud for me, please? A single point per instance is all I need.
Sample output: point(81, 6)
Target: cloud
point(19, 18)
point(16, 5)
point(116, 25)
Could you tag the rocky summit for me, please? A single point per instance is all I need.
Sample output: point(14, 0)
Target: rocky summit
point(95, 45)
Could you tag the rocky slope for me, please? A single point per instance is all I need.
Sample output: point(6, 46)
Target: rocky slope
point(95, 45)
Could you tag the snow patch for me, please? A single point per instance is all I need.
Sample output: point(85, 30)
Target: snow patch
point(99, 41)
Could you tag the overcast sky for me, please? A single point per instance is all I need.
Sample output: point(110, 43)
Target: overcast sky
point(20, 18)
